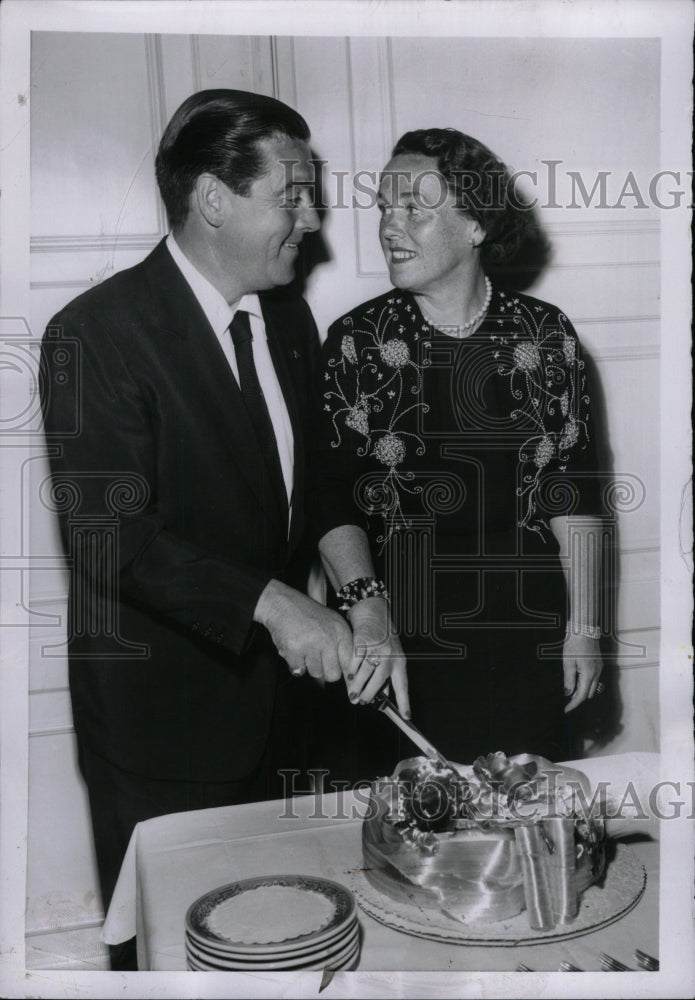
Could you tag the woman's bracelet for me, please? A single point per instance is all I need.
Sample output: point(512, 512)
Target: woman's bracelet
point(359, 590)
point(590, 631)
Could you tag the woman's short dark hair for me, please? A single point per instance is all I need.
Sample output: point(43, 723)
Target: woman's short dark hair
point(217, 132)
point(481, 185)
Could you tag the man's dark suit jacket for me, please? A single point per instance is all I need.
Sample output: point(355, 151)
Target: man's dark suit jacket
point(156, 475)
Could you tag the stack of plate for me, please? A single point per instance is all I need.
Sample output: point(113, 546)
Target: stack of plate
point(273, 922)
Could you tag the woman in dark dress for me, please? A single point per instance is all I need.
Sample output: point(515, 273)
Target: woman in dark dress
point(458, 470)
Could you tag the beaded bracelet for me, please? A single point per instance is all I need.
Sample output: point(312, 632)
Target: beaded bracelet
point(359, 590)
point(590, 631)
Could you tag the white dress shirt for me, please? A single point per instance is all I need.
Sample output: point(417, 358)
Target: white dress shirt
point(220, 314)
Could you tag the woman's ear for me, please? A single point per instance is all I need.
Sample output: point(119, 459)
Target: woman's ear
point(210, 199)
point(477, 234)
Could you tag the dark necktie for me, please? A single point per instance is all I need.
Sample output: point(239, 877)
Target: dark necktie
point(255, 403)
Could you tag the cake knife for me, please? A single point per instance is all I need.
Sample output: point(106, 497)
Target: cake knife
point(385, 705)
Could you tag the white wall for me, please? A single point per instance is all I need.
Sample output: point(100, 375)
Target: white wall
point(99, 104)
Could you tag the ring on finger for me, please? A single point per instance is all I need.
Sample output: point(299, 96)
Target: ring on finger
point(374, 660)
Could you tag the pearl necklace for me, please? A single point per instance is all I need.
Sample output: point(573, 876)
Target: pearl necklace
point(474, 320)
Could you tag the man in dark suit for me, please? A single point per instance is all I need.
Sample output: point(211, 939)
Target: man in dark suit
point(177, 403)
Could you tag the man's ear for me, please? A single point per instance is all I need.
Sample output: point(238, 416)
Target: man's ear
point(210, 199)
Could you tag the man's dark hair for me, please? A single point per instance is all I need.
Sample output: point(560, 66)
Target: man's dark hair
point(481, 185)
point(218, 132)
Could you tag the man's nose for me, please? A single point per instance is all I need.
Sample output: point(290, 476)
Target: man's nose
point(391, 225)
point(308, 219)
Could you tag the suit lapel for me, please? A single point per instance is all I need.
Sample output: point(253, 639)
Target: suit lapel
point(178, 313)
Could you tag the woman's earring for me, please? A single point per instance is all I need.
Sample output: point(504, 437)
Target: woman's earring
point(472, 242)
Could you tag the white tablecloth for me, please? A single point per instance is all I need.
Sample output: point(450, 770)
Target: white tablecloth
point(174, 859)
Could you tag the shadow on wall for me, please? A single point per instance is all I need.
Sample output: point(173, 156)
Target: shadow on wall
point(314, 250)
point(531, 258)
point(598, 722)
point(595, 723)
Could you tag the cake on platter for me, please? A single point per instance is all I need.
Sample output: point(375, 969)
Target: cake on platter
point(487, 842)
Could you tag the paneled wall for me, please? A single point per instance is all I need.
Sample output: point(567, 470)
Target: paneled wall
point(98, 106)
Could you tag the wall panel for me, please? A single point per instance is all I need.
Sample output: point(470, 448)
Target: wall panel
point(49, 711)
point(48, 663)
point(85, 151)
point(61, 885)
point(536, 99)
point(639, 695)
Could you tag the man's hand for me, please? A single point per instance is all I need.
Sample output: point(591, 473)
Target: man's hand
point(307, 635)
point(377, 655)
point(582, 665)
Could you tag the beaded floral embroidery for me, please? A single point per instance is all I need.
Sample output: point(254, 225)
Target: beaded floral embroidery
point(371, 389)
point(546, 377)
point(375, 381)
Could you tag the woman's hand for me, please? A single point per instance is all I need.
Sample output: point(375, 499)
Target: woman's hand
point(582, 665)
point(377, 655)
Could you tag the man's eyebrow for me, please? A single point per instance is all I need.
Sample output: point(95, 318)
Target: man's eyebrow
point(399, 182)
point(391, 194)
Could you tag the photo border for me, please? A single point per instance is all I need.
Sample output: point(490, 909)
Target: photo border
point(670, 20)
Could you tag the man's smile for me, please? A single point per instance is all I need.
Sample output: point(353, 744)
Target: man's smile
point(399, 255)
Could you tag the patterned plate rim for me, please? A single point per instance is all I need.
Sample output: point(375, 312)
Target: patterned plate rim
point(308, 948)
point(348, 964)
point(198, 911)
point(334, 958)
point(257, 961)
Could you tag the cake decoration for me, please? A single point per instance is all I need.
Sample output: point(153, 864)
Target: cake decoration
point(487, 841)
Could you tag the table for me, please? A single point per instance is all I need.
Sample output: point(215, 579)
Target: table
point(174, 859)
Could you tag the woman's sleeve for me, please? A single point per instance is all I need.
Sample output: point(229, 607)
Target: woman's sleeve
point(342, 434)
point(572, 483)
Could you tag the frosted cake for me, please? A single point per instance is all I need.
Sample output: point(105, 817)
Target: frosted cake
point(499, 837)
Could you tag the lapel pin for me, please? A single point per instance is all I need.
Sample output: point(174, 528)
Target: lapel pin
point(296, 355)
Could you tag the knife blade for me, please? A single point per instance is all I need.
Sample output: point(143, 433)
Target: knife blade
point(385, 705)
